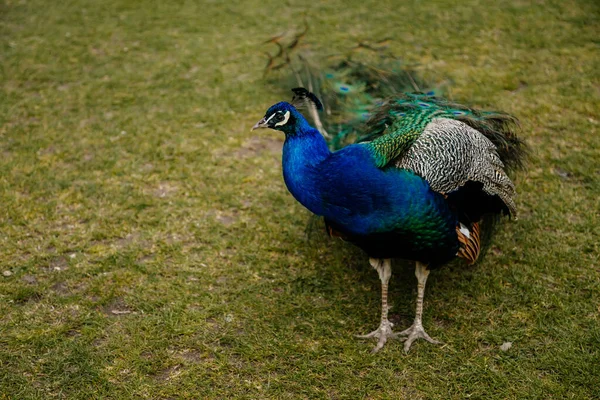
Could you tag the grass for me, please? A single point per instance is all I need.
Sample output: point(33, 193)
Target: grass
point(151, 250)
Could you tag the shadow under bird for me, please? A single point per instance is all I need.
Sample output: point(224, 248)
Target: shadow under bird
point(426, 187)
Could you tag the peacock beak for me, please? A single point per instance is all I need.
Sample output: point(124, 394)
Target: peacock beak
point(260, 124)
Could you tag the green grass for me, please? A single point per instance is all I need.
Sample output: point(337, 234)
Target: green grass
point(154, 251)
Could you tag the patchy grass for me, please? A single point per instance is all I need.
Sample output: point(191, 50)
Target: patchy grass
point(151, 250)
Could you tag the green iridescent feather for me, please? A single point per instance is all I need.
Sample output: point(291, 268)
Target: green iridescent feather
point(400, 121)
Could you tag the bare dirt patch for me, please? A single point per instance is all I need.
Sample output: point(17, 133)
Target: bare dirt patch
point(258, 145)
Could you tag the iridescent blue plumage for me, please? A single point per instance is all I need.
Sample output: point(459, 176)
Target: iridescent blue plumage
point(388, 212)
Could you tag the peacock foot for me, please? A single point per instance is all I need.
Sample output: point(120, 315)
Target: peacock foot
point(382, 334)
point(413, 333)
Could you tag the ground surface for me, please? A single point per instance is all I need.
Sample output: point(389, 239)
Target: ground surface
point(149, 248)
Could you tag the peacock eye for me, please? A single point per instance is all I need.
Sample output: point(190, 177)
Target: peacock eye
point(282, 118)
point(278, 118)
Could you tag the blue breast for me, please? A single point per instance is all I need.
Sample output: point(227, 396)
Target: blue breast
point(371, 206)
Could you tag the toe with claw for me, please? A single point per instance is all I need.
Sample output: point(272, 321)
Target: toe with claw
point(413, 333)
point(382, 334)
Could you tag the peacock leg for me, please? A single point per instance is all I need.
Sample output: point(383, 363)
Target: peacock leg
point(384, 332)
point(416, 331)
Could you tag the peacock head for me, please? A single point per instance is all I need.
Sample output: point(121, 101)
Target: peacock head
point(286, 118)
point(282, 117)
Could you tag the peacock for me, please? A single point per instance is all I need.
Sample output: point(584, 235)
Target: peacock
point(425, 178)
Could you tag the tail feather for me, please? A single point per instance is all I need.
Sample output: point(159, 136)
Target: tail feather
point(350, 85)
point(350, 90)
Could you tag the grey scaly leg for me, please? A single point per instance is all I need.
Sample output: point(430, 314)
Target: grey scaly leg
point(384, 332)
point(416, 331)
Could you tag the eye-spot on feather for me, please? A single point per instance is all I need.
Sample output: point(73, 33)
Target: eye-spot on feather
point(286, 118)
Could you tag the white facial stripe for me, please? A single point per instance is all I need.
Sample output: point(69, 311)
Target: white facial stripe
point(272, 115)
point(286, 118)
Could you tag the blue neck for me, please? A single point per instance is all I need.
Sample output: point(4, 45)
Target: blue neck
point(303, 150)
